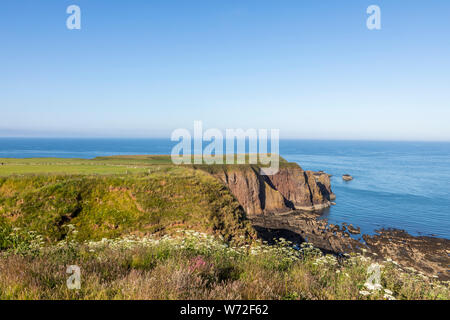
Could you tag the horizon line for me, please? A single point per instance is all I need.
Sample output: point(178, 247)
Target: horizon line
point(168, 139)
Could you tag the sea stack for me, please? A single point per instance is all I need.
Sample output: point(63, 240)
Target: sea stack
point(347, 177)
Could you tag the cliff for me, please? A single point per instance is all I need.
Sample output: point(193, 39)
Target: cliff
point(291, 188)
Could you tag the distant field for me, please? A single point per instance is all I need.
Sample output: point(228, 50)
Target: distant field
point(100, 165)
point(104, 165)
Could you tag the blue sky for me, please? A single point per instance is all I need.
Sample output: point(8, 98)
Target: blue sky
point(144, 68)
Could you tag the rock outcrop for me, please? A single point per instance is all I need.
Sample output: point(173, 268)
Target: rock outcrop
point(347, 177)
point(428, 255)
point(291, 188)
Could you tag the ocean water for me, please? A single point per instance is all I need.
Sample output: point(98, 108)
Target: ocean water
point(403, 185)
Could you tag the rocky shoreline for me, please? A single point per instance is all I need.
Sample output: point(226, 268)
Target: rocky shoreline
point(288, 205)
point(425, 255)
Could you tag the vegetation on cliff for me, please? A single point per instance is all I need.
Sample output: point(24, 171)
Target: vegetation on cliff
point(160, 200)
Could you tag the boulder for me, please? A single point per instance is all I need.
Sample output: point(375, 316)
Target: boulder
point(353, 230)
point(347, 177)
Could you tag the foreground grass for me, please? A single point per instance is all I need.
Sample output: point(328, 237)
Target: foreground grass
point(191, 265)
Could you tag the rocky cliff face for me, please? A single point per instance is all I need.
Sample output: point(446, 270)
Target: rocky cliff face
point(291, 188)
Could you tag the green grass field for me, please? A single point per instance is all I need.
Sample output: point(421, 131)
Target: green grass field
point(117, 165)
point(100, 165)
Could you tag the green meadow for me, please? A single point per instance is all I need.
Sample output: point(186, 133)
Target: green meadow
point(101, 165)
point(119, 165)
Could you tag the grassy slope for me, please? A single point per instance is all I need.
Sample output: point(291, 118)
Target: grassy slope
point(159, 199)
point(111, 196)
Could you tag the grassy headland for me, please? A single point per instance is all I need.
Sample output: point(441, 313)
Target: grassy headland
point(123, 221)
point(156, 199)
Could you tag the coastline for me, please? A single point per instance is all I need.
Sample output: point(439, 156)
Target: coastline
point(420, 254)
point(144, 201)
point(403, 185)
point(426, 254)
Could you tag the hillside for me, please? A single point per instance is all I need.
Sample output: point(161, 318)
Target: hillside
point(159, 200)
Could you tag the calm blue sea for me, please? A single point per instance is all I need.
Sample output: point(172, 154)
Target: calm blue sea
point(402, 185)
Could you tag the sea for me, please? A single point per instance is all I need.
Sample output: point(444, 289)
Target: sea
point(402, 185)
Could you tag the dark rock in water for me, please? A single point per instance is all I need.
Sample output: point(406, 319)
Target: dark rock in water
point(334, 228)
point(347, 177)
point(353, 230)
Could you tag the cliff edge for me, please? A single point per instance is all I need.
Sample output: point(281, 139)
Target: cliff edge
point(291, 188)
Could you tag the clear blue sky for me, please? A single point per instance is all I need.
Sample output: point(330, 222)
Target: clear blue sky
point(143, 68)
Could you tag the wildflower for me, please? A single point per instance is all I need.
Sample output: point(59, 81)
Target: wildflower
point(372, 286)
point(364, 293)
point(197, 264)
